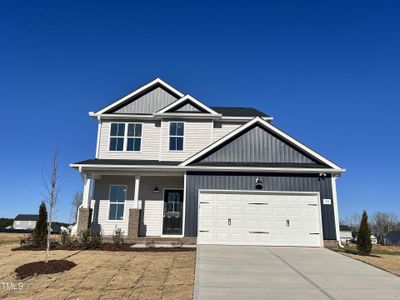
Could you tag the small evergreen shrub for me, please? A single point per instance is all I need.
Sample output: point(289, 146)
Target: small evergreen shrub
point(66, 238)
point(118, 237)
point(90, 239)
point(96, 239)
point(26, 240)
point(364, 244)
point(39, 234)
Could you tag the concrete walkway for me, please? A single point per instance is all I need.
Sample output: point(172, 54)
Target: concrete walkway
point(250, 272)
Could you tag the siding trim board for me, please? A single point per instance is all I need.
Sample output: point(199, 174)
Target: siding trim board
point(272, 182)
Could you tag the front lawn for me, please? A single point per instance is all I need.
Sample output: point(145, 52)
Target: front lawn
point(102, 275)
point(387, 259)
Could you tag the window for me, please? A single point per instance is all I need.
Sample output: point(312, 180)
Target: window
point(117, 202)
point(117, 135)
point(176, 130)
point(125, 140)
point(134, 137)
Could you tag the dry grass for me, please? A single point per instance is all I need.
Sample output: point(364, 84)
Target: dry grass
point(378, 247)
point(103, 275)
point(9, 238)
point(389, 263)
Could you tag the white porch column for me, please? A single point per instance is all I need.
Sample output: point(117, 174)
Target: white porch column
point(136, 195)
point(86, 192)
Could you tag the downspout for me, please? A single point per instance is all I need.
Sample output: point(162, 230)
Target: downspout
point(336, 210)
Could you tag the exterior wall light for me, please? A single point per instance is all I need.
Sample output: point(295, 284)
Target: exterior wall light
point(156, 190)
point(259, 184)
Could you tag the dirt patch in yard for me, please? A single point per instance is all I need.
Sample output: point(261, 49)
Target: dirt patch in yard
point(40, 267)
point(102, 275)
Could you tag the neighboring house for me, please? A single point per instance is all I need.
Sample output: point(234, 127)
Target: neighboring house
point(167, 165)
point(392, 238)
point(25, 221)
point(374, 240)
point(345, 234)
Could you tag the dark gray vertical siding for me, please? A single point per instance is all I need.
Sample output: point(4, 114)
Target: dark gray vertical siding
point(188, 107)
point(148, 103)
point(246, 181)
point(258, 145)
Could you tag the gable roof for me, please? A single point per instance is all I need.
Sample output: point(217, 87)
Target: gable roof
point(23, 217)
point(144, 89)
point(239, 111)
point(262, 123)
point(187, 99)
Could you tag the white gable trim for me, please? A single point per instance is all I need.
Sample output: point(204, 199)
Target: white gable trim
point(183, 99)
point(269, 126)
point(139, 90)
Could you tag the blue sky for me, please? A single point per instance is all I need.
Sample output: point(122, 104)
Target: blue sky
point(328, 71)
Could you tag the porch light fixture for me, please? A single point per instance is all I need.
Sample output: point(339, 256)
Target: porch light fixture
point(156, 190)
point(259, 184)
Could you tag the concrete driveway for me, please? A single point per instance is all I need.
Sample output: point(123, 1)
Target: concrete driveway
point(250, 272)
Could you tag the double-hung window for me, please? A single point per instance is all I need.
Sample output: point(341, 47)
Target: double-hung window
point(134, 137)
point(117, 202)
point(176, 132)
point(117, 136)
point(125, 137)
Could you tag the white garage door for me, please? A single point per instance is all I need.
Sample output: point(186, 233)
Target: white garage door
point(259, 218)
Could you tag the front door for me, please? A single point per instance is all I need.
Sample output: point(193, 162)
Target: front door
point(173, 200)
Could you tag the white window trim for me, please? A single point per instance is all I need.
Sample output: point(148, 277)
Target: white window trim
point(183, 136)
point(125, 137)
point(109, 203)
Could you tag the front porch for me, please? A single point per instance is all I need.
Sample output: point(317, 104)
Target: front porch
point(147, 205)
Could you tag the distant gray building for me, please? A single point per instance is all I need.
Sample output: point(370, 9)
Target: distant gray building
point(392, 238)
point(25, 221)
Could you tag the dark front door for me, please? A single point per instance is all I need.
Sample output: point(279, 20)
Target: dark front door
point(173, 209)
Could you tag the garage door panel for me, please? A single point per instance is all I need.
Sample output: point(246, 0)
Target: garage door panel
point(280, 212)
point(259, 219)
point(222, 209)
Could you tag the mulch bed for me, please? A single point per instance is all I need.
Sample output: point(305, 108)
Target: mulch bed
point(106, 247)
point(40, 267)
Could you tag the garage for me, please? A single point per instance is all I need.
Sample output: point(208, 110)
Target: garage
point(259, 218)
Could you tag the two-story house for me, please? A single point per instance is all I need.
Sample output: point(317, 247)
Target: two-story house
point(167, 165)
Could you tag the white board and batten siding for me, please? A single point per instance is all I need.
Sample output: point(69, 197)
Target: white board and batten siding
point(151, 203)
point(259, 218)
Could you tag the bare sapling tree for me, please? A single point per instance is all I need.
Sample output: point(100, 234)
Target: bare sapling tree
point(53, 187)
point(382, 223)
